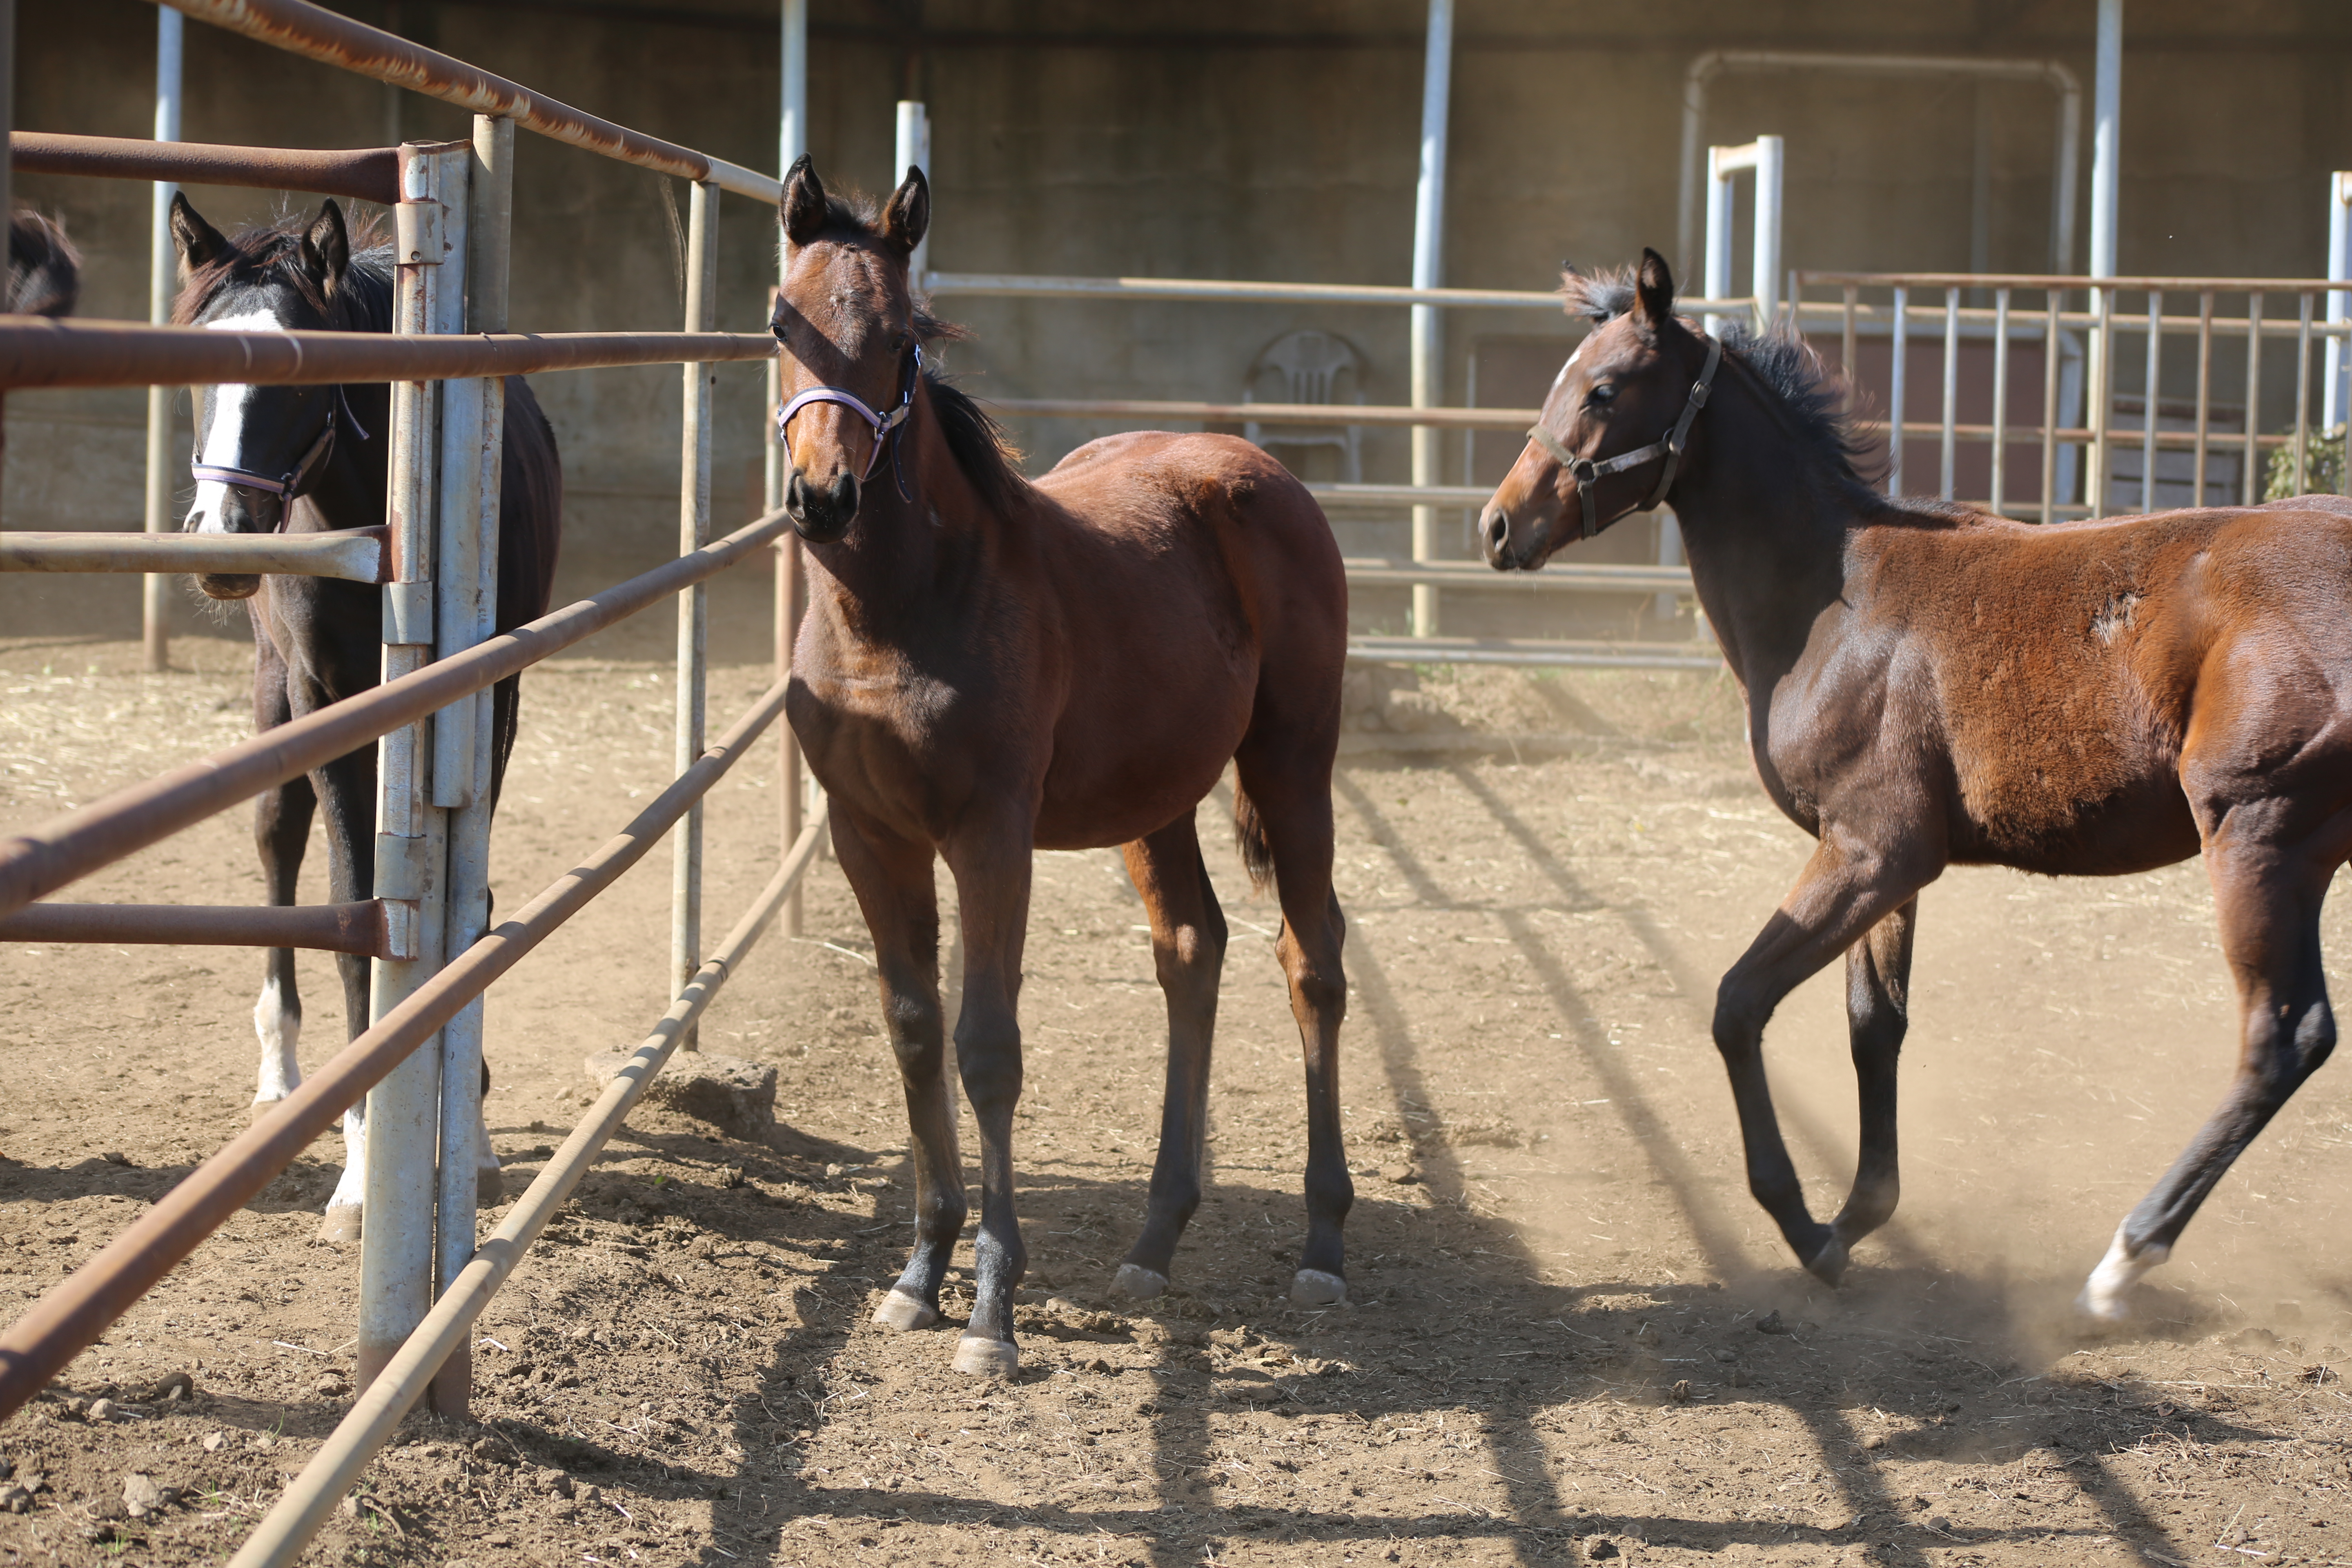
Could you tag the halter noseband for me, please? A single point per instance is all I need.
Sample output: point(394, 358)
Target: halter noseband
point(883, 424)
point(293, 482)
point(1585, 470)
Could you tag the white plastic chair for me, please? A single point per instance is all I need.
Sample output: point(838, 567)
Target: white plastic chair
point(1308, 366)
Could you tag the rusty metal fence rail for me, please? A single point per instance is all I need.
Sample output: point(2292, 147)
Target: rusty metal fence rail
point(427, 930)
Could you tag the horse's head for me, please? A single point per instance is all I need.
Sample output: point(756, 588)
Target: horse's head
point(1611, 435)
point(847, 320)
point(258, 448)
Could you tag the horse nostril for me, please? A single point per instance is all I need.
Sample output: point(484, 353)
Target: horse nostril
point(796, 496)
point(845, 496)
point(1498, 528)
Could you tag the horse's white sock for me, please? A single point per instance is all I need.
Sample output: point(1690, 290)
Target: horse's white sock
point(279, 1024)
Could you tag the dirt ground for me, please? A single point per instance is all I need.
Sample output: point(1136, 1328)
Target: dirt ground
point(1552, 1352)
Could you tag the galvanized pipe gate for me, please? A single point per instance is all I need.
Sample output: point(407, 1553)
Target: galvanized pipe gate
point(418, 1061)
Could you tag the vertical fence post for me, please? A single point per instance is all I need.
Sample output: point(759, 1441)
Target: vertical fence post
point(1769, 162)
point(2000, 400)
point(2204, 393)
point(396, 1272)
point(2249, 487)
point(2101, 397)
point(155, 588)
point(1428, 370)
point(914, 150)
point(693, 605)
point(1897, 383)
point(2335, 395)
point(1948, 456)
point(2050, 346)
point(2153, 379)
point(1718, 236)
point(473, 437)
point(791, 140)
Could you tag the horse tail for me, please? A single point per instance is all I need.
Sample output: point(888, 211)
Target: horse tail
point(44, 267)
point(1249, 837)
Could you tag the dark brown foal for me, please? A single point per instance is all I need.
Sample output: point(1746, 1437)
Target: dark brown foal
point(1929, 685)
point(989, 667)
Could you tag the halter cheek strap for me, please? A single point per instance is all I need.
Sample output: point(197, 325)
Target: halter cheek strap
point(1586, 470)
point(883, 424)
point(289, 484)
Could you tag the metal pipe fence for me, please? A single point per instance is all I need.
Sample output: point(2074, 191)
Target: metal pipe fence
point(427, 928)
point(2119, 424)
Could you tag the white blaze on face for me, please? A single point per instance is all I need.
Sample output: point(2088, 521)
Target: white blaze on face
point(223, 438)
point(1568, 366)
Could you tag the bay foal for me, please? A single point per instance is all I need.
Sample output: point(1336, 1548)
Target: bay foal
point(989, 667)
point(1930, 685)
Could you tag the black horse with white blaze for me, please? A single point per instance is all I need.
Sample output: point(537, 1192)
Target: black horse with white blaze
point(306, 459)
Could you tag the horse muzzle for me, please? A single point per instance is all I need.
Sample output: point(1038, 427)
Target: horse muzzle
point(1509, 545)
point(821, 516)
point(238, 512)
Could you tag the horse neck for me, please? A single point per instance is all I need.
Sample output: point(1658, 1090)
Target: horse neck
point(892, 577)
point(1764, 521)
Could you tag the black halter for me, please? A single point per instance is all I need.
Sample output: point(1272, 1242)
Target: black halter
point(1585, 470)
point(296, 480)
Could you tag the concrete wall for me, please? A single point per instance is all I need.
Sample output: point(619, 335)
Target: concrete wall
point(1207, 139)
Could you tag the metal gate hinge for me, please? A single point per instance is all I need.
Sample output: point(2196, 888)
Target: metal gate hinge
point(408, 613)
point(417, 227)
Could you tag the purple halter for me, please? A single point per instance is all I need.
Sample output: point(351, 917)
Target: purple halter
point(883, 424)
point(291, 483)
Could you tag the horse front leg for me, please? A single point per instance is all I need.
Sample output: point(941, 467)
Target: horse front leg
point(1844, 891)
point(1188, 949)
point(990, 862)
point(281, 831)
point(2269, 901)
point(1878, 1013)
point(892, 878)
point(346, 789)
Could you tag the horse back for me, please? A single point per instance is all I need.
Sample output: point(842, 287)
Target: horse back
point(2076, 675)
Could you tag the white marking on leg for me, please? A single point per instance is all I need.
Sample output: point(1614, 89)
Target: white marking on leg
point(279, 1024)
point(352, 1185)
point(2103, 1294)
point(486, 1159)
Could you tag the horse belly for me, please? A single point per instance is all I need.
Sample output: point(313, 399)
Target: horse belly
point(1113, 781)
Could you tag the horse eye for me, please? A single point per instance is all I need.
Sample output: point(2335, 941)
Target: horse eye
point(1602, 396)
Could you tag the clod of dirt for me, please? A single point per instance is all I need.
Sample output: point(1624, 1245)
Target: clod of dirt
point(101, 1410)
point(1770, 1324)
point(331, 1386)
point(1680, 1394)
point(115, 1157)
point(1601, 1549)
point(735, 1096)
point(1401, 1175)
point(177, 1386)
point(142, 1496)
point(557, 1483)
point(214, 1442)
point(14, 1499)
point(490, 1451)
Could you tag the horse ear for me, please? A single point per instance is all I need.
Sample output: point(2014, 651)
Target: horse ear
point(801, 210)
point(197, 241)
point(909, 216)
point(1653, 290)
point(327, 249)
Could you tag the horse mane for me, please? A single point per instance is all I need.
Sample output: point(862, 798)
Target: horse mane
point(1818, 402)
point(262, 254)
point(44, 267)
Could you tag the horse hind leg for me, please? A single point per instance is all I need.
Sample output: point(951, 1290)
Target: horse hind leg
point(1188, 949)
point(2269, 906)
point(1877, 1007)
point(1291, 793)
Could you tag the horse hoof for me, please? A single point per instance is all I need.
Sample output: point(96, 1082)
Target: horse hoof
point(1314, 1287)
point(342, 1224)
point(903, 1311)
point(985, 1357)
point(1136, 1281)
point(1828, 1265)
point(489, 1188)
point(259, 1109)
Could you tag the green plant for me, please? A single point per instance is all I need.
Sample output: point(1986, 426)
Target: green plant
point(2323, 467)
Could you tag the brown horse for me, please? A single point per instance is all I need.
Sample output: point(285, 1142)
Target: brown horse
point(1930, 685)
point(989, 665)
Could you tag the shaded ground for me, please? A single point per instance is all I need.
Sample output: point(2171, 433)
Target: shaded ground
point(1553, 1353)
